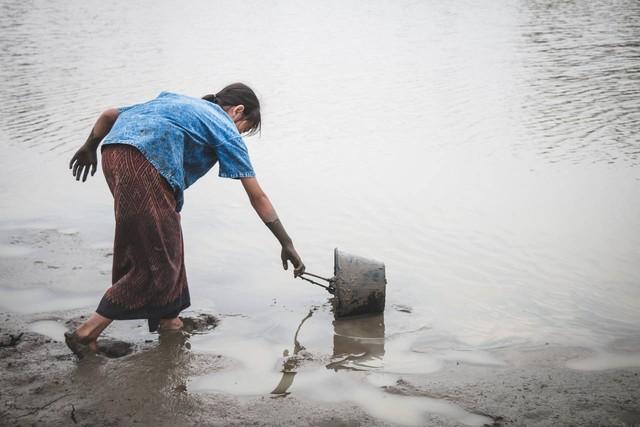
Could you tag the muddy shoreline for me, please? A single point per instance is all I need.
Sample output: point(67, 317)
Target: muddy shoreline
point(43, 383)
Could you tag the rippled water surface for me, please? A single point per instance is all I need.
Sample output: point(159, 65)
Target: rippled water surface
point(487, 152)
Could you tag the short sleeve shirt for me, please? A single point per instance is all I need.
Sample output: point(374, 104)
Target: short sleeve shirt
point(183, 137)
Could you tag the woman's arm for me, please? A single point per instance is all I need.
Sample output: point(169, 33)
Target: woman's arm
point(267, 213)
point(86, 157)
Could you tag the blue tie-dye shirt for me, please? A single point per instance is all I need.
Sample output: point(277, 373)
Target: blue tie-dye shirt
point(183, 137)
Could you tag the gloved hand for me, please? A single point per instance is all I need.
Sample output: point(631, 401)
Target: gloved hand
point(289, 254)
point(288, 251)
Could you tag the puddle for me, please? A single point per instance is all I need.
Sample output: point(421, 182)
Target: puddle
point(41, 300)
point(100, 245)
point(53, 329)
point(69, 231)
point(471, 357)
point(354, 366)
point(320, 384)
point(14, 250)
point(363, 389)
point(606, 360)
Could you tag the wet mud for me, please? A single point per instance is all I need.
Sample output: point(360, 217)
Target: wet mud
point(114, 348)
point(198, 323)
point(43, 383)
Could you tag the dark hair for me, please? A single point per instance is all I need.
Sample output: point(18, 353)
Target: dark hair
point(240, 94)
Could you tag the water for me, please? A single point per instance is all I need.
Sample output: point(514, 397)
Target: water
point(51, 328)
point(487, 152)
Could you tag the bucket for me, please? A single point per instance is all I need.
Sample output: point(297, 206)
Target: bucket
point(358, 284)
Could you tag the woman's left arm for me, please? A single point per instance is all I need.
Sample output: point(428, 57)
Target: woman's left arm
point(267, 213)
point(86, 157)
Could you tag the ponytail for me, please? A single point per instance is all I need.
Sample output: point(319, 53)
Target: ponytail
point(240, 94)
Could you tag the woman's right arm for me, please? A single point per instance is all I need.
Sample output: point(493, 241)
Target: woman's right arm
point(86, 157)
point(263, 207)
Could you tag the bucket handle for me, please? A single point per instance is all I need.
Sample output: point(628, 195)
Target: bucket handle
point(331, 289)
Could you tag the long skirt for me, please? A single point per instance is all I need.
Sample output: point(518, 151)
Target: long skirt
point(148, 277)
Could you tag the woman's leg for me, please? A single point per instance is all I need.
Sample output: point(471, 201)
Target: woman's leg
point(173, 324)
point(148, 277)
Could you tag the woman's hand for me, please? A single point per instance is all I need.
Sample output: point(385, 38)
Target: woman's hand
point(85, 158)
point(289, 254)
point(267, 213)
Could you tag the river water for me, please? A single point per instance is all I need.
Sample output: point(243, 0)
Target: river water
point(487, 152)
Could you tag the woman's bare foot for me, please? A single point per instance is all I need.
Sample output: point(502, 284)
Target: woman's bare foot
point(83, 341)
point(80, 346)
point(174, 324)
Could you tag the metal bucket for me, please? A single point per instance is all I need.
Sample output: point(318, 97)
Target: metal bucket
point(359, 285)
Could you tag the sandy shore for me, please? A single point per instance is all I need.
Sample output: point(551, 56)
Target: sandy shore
point(42, 383)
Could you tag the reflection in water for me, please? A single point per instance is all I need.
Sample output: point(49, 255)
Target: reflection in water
point(358, 343)
point(341, 369)
point(165, 360)
point(285, 382)
point(290, 363)
point(139, 383)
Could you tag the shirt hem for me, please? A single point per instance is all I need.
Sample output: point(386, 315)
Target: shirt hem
point(237, 175)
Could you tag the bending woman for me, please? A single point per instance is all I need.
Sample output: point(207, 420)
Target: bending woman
point(151, 153)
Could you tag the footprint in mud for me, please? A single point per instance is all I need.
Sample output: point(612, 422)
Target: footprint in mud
point(114, 348)
point(402, 308)
point(199, 324)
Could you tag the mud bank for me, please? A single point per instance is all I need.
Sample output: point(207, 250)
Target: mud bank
point(42, 383)
point(180, 379)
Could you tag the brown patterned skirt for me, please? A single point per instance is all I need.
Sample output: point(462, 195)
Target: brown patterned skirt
point(148, 278)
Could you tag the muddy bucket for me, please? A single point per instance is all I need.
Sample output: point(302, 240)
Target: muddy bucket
point(359, 285)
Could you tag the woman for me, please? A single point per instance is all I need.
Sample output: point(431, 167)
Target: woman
point(151, 153)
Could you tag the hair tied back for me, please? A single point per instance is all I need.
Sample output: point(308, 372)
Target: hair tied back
point(211, 98)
